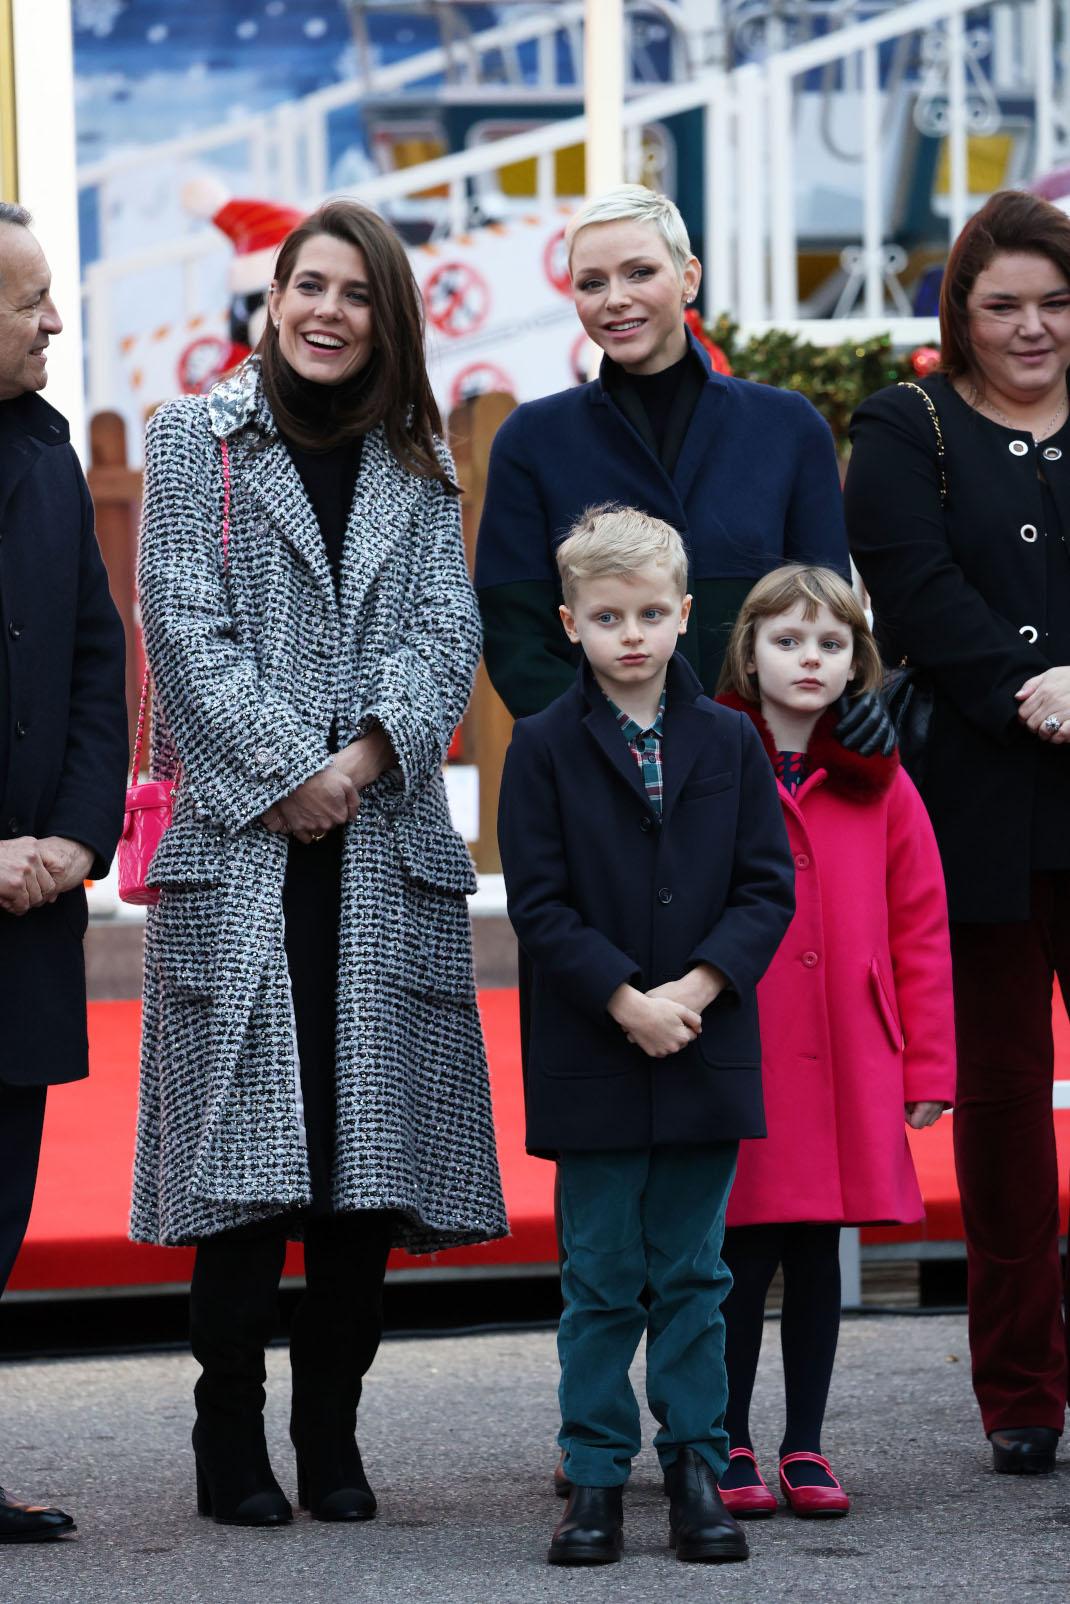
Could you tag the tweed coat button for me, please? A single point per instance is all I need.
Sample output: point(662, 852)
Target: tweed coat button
point(802, 860)
point(1028, 532)
point(1029, 631)
point(665, 896)
point(810, 959)
point(645, 824)
point(1018, 448)
point(1051, 453)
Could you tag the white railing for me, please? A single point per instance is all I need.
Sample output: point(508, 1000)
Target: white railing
point(751, 179)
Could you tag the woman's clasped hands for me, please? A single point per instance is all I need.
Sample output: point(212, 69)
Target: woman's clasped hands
point(1044, 705)
point(325, 800)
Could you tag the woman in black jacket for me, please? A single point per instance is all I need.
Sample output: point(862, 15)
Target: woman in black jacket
point(958, 511)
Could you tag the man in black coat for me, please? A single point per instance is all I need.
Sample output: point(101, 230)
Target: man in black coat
point(63, 751)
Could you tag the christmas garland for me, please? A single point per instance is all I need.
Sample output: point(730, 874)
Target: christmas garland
point(836, 378)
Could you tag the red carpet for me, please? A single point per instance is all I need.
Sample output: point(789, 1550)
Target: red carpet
point(77, 1236)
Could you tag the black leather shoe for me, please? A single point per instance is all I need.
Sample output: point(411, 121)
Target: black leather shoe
point(31, 1523)
point(1024, 1450)
point(591, 1531)
point(562, 1485)
point(700, 1527)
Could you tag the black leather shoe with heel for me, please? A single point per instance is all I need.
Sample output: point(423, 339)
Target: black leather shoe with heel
point(1024, 1450)
point(591, 1531)
point(700, 1527)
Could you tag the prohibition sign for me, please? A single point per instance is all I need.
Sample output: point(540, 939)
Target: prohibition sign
point(555, 262)
point(477, 379)
point(457, 299)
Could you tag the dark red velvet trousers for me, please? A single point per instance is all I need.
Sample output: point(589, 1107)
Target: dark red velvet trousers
point(1006, 1160)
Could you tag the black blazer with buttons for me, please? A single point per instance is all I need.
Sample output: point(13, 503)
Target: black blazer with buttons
point(63, 734)
point(960, 588)
point(601, 893)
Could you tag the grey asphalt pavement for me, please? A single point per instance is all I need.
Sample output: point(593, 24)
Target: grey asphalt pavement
point(458, 1438)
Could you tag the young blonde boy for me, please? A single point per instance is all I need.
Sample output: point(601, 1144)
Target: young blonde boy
point(649, 883)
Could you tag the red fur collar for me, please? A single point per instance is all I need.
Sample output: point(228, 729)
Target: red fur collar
point(848, 773)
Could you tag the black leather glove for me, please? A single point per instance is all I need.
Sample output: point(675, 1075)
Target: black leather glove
point(865, 725)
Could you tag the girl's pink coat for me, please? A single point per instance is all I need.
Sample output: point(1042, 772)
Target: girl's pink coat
point(865, 964)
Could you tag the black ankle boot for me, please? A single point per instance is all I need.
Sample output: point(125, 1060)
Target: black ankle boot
point(233, 1296)
point(700, 1527)
point(333, 1339)
point(1024, 1450)
point(591, 1531)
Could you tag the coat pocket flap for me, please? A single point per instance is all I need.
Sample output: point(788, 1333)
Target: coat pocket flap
point(436, 858)
point(709, 785)
point(189, 855)
point(885, 1006)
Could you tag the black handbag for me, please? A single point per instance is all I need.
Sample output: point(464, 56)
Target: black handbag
point(908, 691)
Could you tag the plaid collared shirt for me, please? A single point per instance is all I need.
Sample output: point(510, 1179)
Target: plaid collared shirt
point(645, 747)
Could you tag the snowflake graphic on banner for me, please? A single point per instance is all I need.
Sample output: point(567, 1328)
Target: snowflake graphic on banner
point(97, 16)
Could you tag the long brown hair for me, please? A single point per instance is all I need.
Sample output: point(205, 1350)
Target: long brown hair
point(778, 593)
point(398, 393)
point(1010, 220)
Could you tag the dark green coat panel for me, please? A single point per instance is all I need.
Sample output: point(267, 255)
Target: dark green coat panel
point(63, 736)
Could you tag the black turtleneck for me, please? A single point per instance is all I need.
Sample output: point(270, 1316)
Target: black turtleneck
point(330, 476)
point(658, 405)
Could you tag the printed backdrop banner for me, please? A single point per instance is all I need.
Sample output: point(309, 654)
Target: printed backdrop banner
point(499, 311)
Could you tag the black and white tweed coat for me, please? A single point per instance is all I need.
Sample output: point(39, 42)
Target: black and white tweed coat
point(251, 663)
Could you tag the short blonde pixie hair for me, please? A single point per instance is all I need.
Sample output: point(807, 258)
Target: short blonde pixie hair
point(635, 203)
point(620, 541)
point(781, 591)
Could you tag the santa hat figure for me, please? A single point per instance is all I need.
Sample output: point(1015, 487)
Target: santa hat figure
point(255, 228)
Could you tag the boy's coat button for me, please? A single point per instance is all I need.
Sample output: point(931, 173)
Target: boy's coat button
point(644, 823)
point(665, 895)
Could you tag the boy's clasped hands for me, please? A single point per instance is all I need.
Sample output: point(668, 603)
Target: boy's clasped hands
point(668, 1017)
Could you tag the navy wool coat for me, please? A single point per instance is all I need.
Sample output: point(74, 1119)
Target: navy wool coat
point(601, 893)
point(63, 742)
point(755, 484)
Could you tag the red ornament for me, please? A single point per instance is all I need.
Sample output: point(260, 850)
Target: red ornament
point(925, 360)
point(720, 362)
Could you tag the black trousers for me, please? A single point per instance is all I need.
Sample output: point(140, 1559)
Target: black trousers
point(22, 1118)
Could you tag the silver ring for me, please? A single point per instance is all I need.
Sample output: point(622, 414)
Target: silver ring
point(1051, 724)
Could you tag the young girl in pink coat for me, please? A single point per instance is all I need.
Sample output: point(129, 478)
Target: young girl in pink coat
point(855, 1010)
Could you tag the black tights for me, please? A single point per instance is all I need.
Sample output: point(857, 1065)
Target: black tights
point(809, 1324)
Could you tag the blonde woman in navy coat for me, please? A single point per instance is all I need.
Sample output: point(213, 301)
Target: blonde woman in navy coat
point(746, 473)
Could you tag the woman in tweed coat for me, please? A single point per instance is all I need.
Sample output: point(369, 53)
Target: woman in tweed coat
point(312, 1061)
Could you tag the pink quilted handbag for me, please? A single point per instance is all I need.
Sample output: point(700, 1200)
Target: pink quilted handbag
point(149, 803)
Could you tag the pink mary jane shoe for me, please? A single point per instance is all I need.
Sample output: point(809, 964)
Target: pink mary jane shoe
point(813, 1502)
point(748, 1503)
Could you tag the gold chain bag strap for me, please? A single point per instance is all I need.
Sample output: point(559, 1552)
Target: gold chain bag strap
point(908, 692)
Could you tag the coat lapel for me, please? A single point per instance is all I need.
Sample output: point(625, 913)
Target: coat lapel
point(686, 728)
point(696, 447)
point(607, 733)
point(271, 479)
point(378, 519)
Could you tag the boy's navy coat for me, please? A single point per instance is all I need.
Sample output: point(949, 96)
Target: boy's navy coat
point(601, 893)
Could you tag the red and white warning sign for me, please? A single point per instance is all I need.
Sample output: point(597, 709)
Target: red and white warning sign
point(555, 261)
point(457, 298)
point(499, 312)
point(478, 378)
